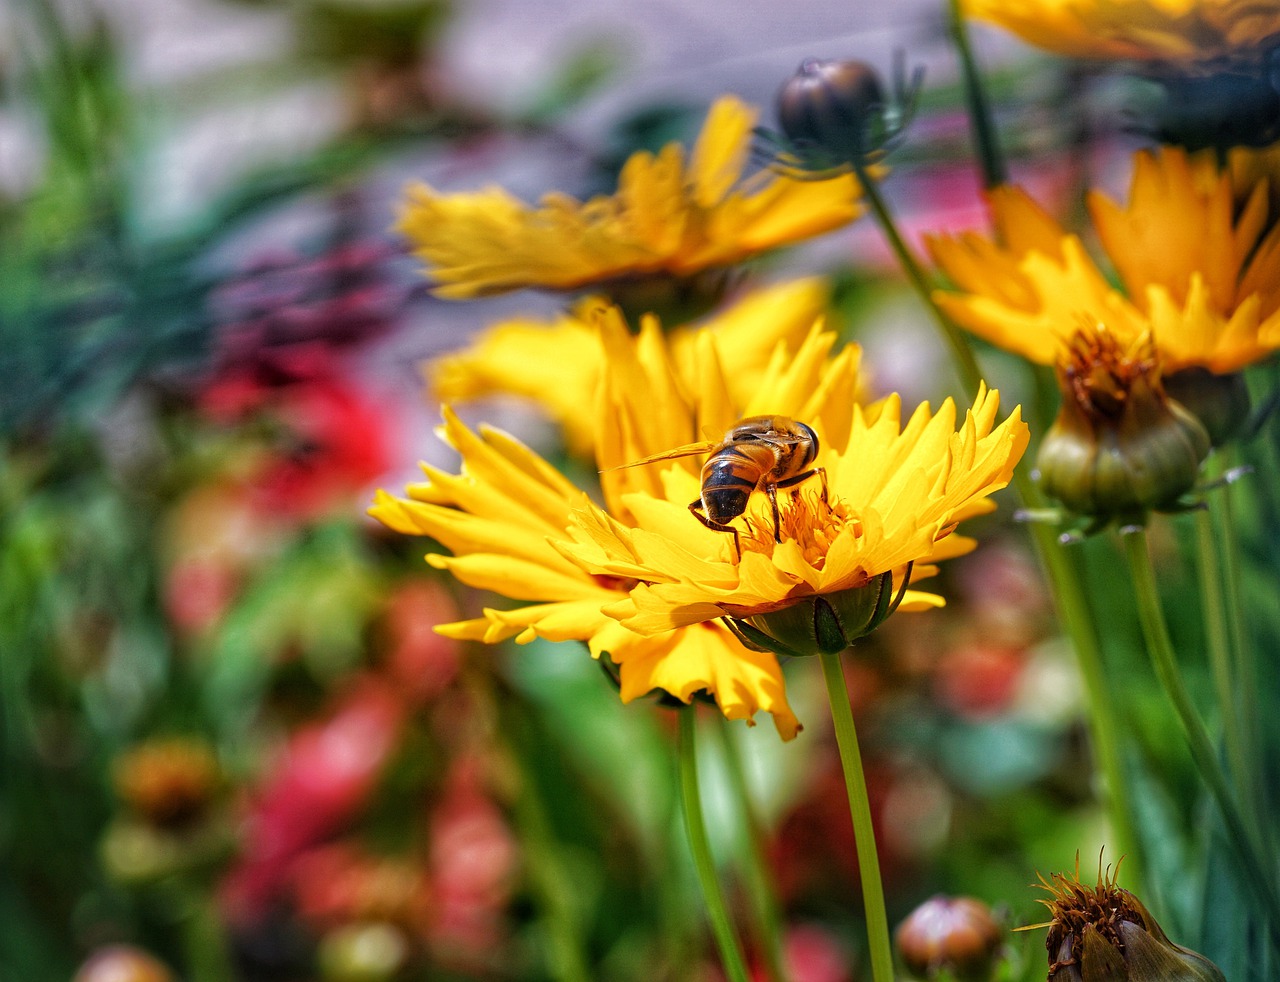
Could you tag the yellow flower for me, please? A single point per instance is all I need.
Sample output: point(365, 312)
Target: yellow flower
point(1198, 258)
point(1177, 31)
point(506, 516)
point(558, 365)
point(894, 495)
point(666, 218)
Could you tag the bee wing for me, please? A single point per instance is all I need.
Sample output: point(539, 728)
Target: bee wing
point(688, 450)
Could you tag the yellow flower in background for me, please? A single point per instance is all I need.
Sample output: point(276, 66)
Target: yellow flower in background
point(558, 365)
point(1177, 31)
point(505, 516)
point(1196, 250)
point(894, 495)
point(668, 217)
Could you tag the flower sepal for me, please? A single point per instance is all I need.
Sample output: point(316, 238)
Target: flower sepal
point(822, 624)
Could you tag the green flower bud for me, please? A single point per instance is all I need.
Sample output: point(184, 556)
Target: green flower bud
point(1106, 934)
point(953, 935)
point(1220, 402)
point(835, 107)
point(1120, 446)
point(824, 623)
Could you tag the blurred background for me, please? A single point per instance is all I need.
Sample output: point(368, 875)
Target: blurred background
point(233, 748)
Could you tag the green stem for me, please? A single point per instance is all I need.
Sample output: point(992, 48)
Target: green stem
point(760, 883)
point(1077, 621)
point(1160, 648)
point(966, 365)
point(855, 783)
point(726, 939)
point(1216, 640)
point(994, 172)
point(1245, 667)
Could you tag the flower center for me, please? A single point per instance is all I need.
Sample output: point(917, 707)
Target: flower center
point(803, 518)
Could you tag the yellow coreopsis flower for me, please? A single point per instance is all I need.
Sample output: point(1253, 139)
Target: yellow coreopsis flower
point(558, 365)
point(668, 217)
point(1195, 249)
point(847, 543)
point(506, 516)
point(1176, 31)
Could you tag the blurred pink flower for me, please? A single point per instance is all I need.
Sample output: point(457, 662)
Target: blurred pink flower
point(321, 782)
point(418, 658)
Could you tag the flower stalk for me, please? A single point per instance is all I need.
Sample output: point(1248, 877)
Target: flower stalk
point(1064, 579)
point(962, 356)
point(855, 783)
point(760, 884)
point(1160, 648)
point(735, 965)
point(990, 156)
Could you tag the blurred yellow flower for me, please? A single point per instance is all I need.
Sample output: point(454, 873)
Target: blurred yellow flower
point(558, 365)
point(1195, 249)
point(506, 516)
point(668, 217)
point(1178, 31)
point(894, 495)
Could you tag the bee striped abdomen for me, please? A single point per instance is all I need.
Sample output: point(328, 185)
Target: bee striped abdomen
point(731, 475)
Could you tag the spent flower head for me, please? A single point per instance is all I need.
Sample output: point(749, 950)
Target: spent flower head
point(1120, 446)
point(1103, 932)
point(670, 217)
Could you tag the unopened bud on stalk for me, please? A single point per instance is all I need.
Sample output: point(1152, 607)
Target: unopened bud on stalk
point(1105, 934)
point(1120, 446)
point(954, 937)
point(832, 106)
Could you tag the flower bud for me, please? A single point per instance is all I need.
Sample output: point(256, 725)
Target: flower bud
point(1105, 933)
point(1120, 446)
point(825, 623)
point(1219, 402)
point(834, 107)
point(955, 935)
point(122, 963)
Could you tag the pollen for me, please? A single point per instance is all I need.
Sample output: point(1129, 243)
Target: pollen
point(806, 519)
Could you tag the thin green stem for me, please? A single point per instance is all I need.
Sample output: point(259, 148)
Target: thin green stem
point(1245, 667)
point(1217, 642)
point(855, 783)
point(1077, 620)
point(1160, 648)
point(760, 885)
point(1064, 580)
point(726, 939)
point(994, 172)
point(966, 365)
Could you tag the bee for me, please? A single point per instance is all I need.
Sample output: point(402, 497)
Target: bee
point(759, 453)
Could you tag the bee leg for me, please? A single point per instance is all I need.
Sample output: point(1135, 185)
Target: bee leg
point(695, 508)
point(772, 491)
point(820, 471)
